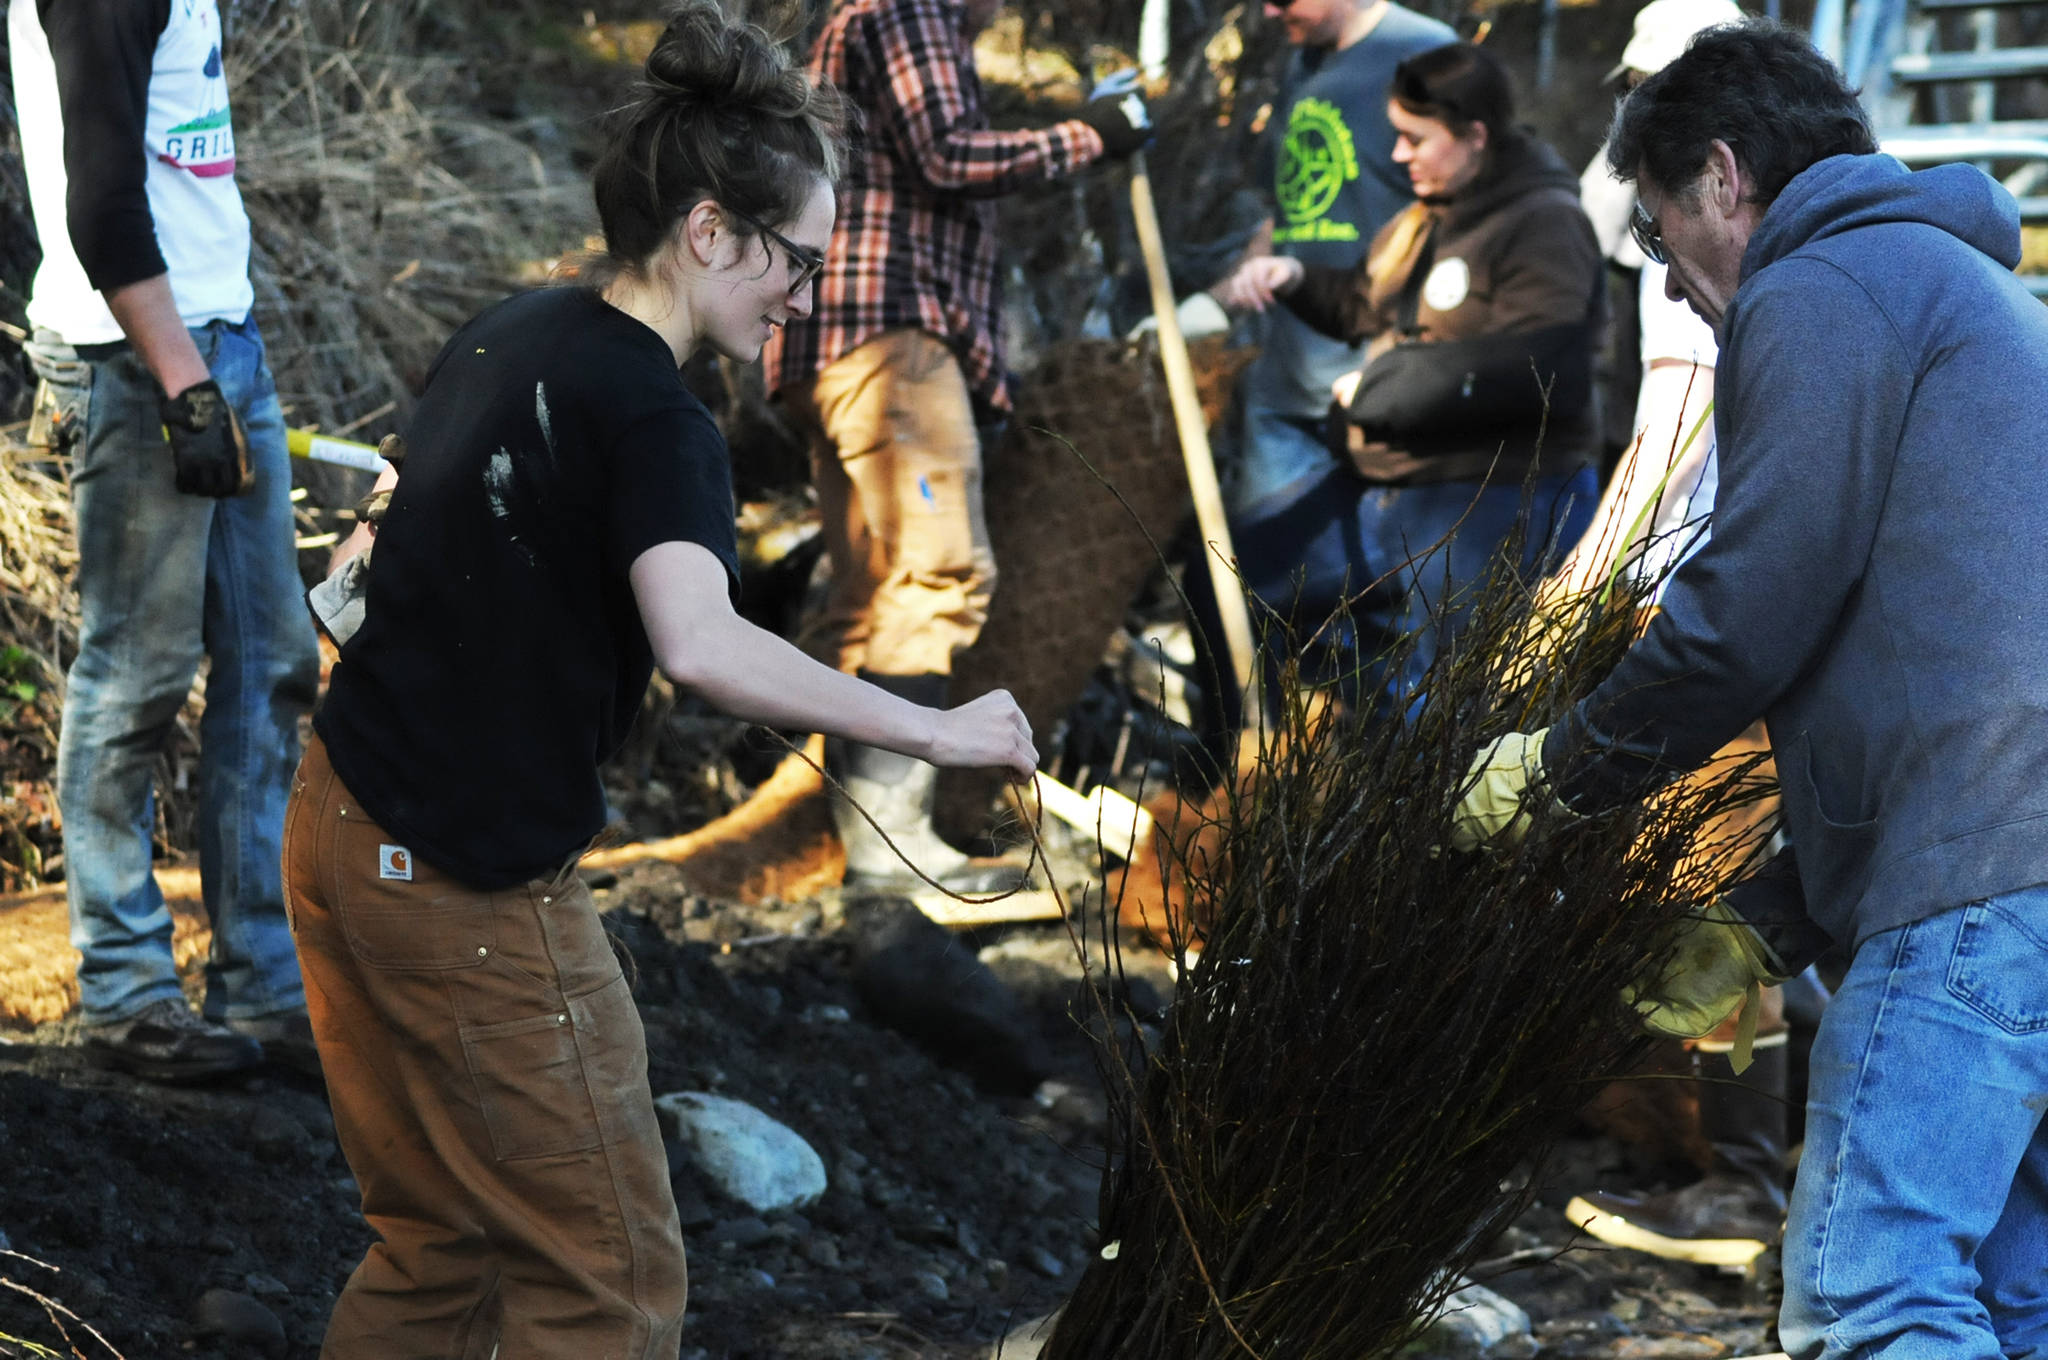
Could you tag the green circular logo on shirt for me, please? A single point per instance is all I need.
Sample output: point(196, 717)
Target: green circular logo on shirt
point(1317, 159)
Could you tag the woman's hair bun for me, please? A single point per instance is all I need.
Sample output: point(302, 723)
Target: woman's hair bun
point(722, 112)
point(706, 55)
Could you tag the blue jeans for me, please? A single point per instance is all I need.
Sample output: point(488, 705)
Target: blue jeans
point(1276, 451)
point(1318, 536)
point(1919, 1223)
point(163, 579)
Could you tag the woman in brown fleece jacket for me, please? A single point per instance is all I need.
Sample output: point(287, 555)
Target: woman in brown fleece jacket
point(1480, 308)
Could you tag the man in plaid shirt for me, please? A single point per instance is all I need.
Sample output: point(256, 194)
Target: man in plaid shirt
point(898, 367)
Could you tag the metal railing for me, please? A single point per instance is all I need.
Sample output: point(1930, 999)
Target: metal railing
point(1887, 49)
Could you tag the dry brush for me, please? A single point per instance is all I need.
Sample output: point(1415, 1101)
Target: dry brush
point(1376, 1040)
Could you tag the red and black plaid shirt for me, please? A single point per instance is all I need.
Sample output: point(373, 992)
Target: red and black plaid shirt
point(914, 245)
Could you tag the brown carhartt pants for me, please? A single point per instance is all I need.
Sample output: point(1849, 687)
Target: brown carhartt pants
point(488, 1075)
point(896, 460)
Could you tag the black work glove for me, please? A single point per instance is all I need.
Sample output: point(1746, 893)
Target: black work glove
point(1121, 122)
point(208, 449)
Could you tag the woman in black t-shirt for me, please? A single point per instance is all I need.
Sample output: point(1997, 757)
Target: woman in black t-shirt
point(563, 526)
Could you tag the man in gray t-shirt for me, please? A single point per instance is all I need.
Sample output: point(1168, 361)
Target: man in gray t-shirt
point(1329, 159)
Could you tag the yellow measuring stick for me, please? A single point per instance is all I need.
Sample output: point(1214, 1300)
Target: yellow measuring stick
point(323, 448)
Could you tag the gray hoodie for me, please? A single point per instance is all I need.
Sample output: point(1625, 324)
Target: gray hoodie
point(1876, 587)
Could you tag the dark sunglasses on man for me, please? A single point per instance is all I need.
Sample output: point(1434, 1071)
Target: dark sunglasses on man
point(1649, 236)
point(805, 264)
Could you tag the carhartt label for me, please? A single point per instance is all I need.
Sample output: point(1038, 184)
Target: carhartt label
point(394, 861)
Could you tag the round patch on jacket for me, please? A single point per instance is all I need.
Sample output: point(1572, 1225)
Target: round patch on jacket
point(1446, 285)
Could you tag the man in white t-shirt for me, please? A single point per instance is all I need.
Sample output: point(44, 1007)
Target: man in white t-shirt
point(1669, 463)
point(1656, 510)
point(162, 400)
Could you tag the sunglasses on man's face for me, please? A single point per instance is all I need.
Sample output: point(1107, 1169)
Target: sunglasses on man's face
point(1649, 236)
point(804, 263)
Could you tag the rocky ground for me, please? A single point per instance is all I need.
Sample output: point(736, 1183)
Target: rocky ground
point(220, 1222)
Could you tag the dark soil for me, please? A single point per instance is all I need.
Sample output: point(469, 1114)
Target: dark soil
point(954, 1213)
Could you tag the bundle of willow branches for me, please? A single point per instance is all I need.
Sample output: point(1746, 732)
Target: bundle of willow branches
point(1379, 1038)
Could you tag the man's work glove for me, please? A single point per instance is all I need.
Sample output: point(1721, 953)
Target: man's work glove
point(1121, 121)
point(208, 449)
point(1198, 315)
point(1505, 784)
point(340, 602)
point(1719, 963)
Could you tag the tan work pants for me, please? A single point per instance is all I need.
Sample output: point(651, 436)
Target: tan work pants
point(896, 460)
point(488, 1075)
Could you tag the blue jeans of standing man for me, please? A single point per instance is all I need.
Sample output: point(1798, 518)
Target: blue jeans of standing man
point(1919, 1223)
point(163, 579)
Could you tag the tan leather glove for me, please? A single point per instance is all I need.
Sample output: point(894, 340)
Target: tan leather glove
point(1719, 961)
point(1505, 780)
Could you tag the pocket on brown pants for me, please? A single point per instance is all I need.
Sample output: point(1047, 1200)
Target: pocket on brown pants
point(544, 1082)
point(426, 922)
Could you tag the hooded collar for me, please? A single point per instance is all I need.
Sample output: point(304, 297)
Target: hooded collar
point(1519, 164)
point(1845, 193)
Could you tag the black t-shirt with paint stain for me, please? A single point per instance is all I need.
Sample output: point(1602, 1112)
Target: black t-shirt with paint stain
point(502, 658)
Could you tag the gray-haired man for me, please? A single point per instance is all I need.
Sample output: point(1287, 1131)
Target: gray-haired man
point(1871, 591)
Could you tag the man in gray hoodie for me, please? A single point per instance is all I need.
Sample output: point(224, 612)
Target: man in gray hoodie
point(1873, 591)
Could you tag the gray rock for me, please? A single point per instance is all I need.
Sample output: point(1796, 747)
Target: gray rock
point(1073, 1104)
point(761, 1163)
point(1475, 1323)
point(1044, 1262)
point(885, 1194)
point(276, 1135)
point(1037, 1192)
point(970, 1245)
point(821, 1252)
point(265, 1286)
point(931, 1286)
point(742, 1232)
point(1026, 1341)
point(920, 1227)
point(239, 1319)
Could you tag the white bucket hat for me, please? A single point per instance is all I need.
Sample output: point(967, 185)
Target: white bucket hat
point(1664, 27)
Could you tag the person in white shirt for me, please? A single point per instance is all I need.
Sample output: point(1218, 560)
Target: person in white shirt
point(165, 407)
point(1655, 511)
